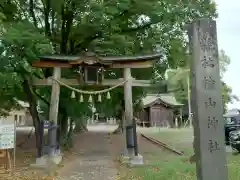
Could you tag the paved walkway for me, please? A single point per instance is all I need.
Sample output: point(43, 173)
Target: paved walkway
point(92, 158)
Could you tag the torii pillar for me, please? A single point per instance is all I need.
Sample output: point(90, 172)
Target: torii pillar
point(54, 156)
point(130, 128)
point(53, 113)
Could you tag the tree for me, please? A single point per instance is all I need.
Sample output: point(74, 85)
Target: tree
point(228, 96)
point(21, 46)
point(224, 61)
point(177, 80)
point(115, 27)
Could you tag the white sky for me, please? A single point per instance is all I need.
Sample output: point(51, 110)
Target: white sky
point(228, 25)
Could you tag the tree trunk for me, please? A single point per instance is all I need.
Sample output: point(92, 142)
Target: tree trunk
point(119, 116)
point(120, 127)
point(70, 133)
point(63, 126)
point(67, 141)
point(36, 123)
point(28, 89)
point(62, 135)
point(80, 125)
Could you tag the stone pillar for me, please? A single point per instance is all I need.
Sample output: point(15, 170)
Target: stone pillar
point(207, 108)
point(128, 110)
point(53, 112)
point(131, 136)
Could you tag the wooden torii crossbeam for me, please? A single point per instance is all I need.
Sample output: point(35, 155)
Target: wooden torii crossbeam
point(90, 72)
point(94, 61)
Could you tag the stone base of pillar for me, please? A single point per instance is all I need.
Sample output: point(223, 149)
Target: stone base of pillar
point(47, 162)
point(132, 161)
point(125, 159)
point(41, 162)
point(57, 159)
point(137, 160)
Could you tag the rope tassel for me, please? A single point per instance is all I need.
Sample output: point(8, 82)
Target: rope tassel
point(99, 98)
point(73, 95)
point(81, 98)
point(108, 95)
point(90, 99)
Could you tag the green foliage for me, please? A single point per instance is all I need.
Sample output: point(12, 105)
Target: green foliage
point(227, 95)
point(177, 80)
point(125, 27)
point(224, 62)
point(9, 83)
point(20, 45)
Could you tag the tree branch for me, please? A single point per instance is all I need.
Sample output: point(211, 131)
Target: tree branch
point(100, 34)
point(42, 98)
point(143, 27)
point(53, 22)
point(67, 21)
point(46, 10)
point(62, 49)
point(61, 108)
point(84, 44)
point(31, 12)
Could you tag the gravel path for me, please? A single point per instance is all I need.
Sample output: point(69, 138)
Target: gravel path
point(91, 159)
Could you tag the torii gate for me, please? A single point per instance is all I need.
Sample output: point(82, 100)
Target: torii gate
point(89, 66)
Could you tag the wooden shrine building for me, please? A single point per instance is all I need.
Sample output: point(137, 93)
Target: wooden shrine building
point(90, 70)
point(159, 110)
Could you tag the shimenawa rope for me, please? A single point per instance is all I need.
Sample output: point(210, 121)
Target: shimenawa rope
point(90, 92)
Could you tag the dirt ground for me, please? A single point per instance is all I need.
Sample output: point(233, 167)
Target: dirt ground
point(91, 158)
point(25, 155)
point(95, 156)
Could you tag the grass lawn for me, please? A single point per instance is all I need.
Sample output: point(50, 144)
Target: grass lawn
point(165, 166)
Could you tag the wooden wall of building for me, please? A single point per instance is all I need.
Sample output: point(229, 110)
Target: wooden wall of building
point(157, 115)
point(161, 116)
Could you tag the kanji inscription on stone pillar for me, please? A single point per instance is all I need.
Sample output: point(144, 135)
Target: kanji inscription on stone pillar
point(207, 107)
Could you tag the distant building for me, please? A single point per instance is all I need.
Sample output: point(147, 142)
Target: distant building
point(22, 116)
point(159, 110)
